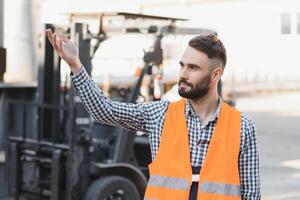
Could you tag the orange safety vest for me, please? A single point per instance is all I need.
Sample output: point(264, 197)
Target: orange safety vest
point(171, 173)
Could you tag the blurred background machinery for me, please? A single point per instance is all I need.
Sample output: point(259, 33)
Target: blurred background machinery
point(53, 149)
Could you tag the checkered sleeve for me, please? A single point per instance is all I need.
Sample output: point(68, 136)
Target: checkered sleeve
point(249, 161)
point(136, 117)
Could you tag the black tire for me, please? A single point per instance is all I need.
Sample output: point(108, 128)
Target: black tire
point(112, 188)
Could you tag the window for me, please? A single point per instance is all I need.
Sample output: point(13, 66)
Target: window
point(298, 23)
point(286, 24)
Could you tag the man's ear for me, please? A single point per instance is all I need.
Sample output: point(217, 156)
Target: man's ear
point(217, 73)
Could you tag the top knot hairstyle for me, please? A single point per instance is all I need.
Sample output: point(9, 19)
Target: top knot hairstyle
point(211, 45)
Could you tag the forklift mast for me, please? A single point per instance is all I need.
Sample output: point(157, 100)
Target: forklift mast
point(48, 158)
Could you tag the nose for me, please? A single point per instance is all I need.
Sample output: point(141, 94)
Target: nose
point(183, 73)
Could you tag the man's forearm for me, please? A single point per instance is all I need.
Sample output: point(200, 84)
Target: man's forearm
point(101, 108)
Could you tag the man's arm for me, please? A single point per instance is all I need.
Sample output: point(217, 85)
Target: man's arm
point(131, 116)
point(126, 115)
point(249, 167)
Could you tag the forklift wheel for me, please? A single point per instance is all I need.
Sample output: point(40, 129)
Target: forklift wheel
point(112, 188)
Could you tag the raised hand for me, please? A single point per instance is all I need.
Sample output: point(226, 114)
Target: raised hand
point(65, 49)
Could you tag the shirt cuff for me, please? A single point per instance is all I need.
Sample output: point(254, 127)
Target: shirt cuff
point(80, 77)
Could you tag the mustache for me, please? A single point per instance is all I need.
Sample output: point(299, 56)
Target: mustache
point(185, 82)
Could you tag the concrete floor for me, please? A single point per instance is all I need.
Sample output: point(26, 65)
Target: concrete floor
point(277, 119)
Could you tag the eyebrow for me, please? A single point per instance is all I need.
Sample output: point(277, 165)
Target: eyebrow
point(189, 65)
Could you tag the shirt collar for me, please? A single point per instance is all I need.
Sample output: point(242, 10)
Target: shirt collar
point(190, 111)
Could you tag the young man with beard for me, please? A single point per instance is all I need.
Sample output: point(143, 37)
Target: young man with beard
point(201, 147)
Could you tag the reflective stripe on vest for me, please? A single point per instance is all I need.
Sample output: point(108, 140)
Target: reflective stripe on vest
point(169, 182)
point(220, 188)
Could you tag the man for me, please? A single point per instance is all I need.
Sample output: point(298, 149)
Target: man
point(201, 147)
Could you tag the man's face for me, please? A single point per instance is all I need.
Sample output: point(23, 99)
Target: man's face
point(195, 74)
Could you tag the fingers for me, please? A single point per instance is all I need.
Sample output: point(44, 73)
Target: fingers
point(59, 45)
point(62, 36)
point(49, 35)
point(55, 41)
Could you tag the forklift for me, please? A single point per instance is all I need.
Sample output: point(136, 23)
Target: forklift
point(55, 151)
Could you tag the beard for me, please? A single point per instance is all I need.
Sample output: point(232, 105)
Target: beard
point(197, 91)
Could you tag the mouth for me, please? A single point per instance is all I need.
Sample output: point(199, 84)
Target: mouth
point(184, 85)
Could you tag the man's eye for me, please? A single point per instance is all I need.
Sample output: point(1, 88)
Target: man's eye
point(193, 67)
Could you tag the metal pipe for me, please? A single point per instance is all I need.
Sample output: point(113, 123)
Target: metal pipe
point(23, 31)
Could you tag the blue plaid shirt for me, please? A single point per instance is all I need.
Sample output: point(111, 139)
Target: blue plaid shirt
point(149, 118)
